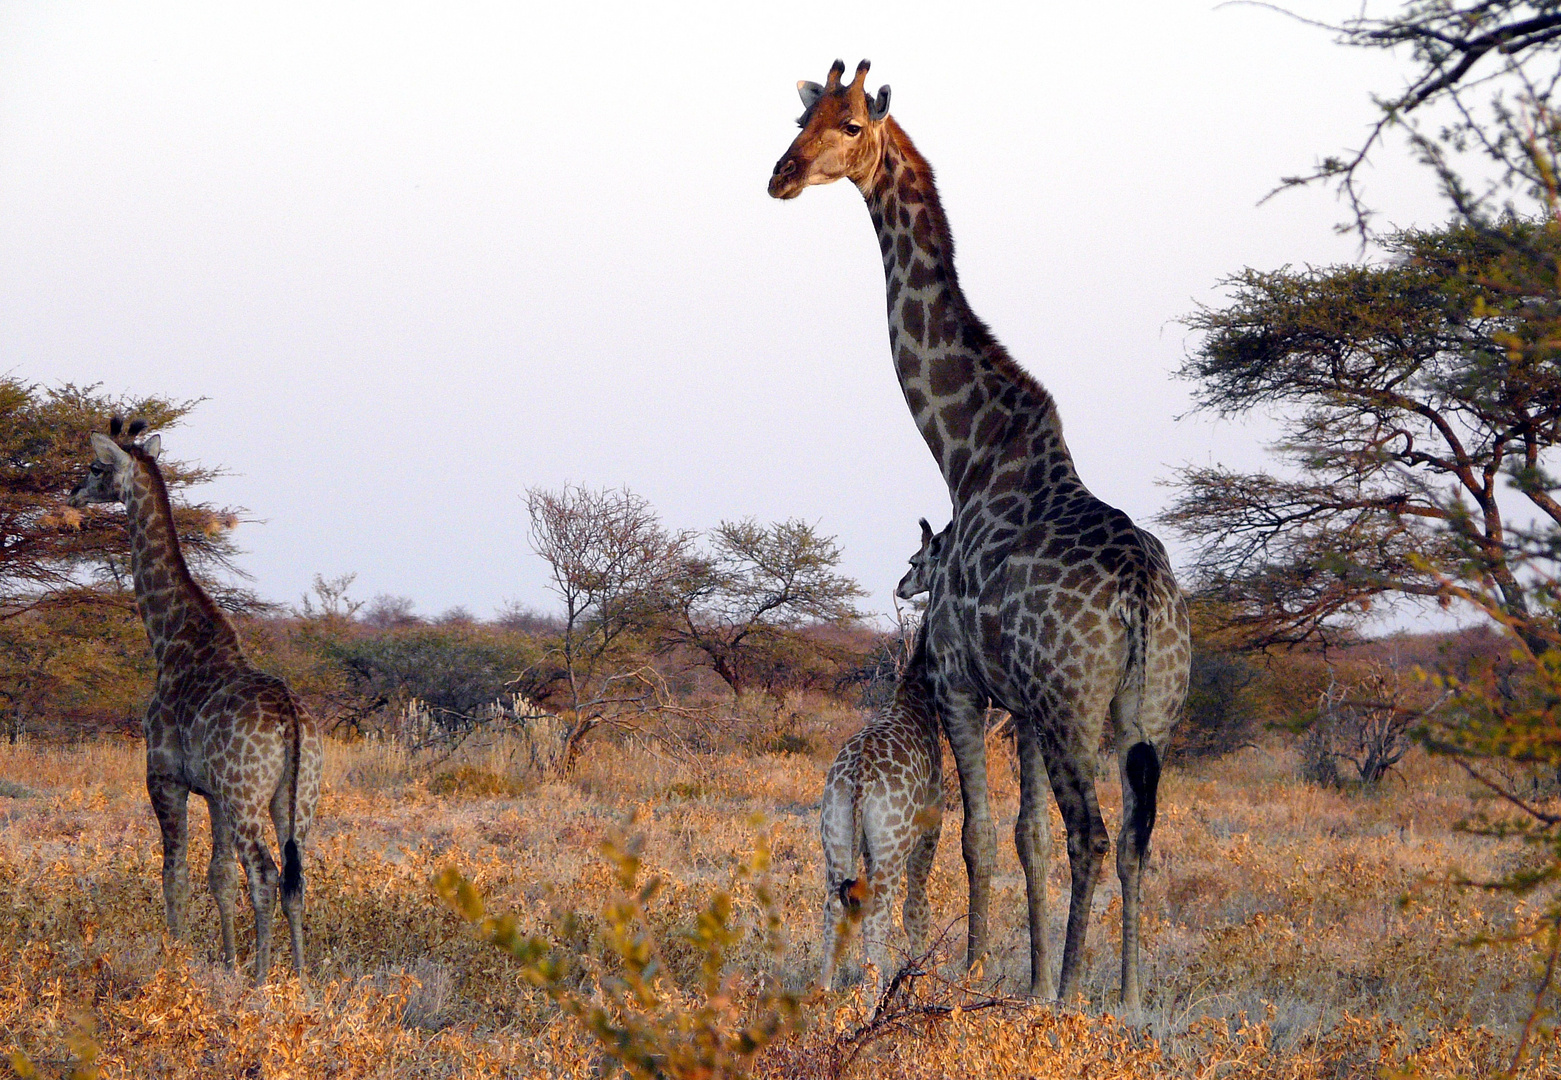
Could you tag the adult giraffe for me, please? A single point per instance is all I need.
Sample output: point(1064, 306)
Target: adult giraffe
point(1048, 602)
point(215, 725)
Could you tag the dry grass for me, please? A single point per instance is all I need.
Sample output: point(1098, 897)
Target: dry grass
point(1275, 940)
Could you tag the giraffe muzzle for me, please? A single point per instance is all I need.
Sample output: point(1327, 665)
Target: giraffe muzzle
point(783, 181)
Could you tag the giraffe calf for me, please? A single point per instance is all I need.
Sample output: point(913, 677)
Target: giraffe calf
point(883, 802)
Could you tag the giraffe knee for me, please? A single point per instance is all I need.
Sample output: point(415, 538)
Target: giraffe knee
point(1099, 842)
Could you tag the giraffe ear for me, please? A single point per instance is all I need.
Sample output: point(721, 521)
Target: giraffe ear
point(153, 446)
point(809, 92)
point(878, 108)
point(107, 450)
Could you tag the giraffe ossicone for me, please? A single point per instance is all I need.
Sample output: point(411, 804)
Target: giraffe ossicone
point(216, 725)
point(1047, 601)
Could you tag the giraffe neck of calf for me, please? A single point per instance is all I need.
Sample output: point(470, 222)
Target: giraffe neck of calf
point(974, 406)
point(914, 699)
point(182, 622)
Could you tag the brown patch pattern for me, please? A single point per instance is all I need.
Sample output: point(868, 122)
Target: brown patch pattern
point(215, 725)
point(1050, 603)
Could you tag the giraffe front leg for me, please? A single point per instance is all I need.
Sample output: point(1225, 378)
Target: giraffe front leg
point(170, 802)
point(1032, 838)
point(964, 721)
point(220, 877)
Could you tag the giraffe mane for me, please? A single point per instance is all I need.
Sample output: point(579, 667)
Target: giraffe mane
point(991, 349)
point(221, 627)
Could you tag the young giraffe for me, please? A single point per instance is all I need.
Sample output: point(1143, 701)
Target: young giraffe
point(215, 725)
point(1049, 603)
point(883, 800)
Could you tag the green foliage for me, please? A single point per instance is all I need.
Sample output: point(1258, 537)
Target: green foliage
point(475, 783)
point(71, 646)
point(1219, 715)
point(1407, 391)
point(81, 668)
point(452, 669)
point(746, 607)
point(1499, 715)
point(640, 1017)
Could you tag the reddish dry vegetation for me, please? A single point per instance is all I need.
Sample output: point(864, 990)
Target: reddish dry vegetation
point(1275, 935)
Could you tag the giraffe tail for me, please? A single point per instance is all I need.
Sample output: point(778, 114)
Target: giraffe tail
point(853, 890)
point(292, 870)
point(1143, 775)
point(292, 858)
point(1142, 764)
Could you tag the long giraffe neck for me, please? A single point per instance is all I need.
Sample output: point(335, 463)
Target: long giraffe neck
point(970, 400)
point(182, 622)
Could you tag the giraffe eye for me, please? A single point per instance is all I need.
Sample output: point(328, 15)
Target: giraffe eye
point(851, 129)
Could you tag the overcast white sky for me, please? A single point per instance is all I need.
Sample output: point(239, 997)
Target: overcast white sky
point(419, 257)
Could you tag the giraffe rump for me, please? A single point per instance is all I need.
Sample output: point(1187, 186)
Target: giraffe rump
point(883, 810)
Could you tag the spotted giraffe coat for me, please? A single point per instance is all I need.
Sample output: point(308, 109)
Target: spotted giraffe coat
point(216, 725)
point(1049, 603)
point(883, 808)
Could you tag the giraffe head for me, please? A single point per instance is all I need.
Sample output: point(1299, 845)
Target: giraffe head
point(111, 475)
point(918, 579)
point(842, 135)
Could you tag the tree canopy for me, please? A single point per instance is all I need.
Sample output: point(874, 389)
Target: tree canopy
point(70, 642)
point(1484, 70)
point(1420, 401)
point(741, 604)
point(51, 553)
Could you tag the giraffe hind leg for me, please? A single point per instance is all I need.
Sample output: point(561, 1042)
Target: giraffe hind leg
point(1073, 784)
point(1032, 838)
point(292, 874)
point(221, 876)
point(917, 913)
point(837, 901)
point(878, 922)
point(263, 878)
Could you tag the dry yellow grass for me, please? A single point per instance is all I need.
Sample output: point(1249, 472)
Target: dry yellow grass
point(1276, 943)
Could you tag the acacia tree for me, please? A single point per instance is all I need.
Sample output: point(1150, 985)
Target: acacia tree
point(49, 551)
point(1481, 77)
point(68, 633)
point(1420, 401)
point(743, 605)
point(614, 567)
point(1480, 402)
